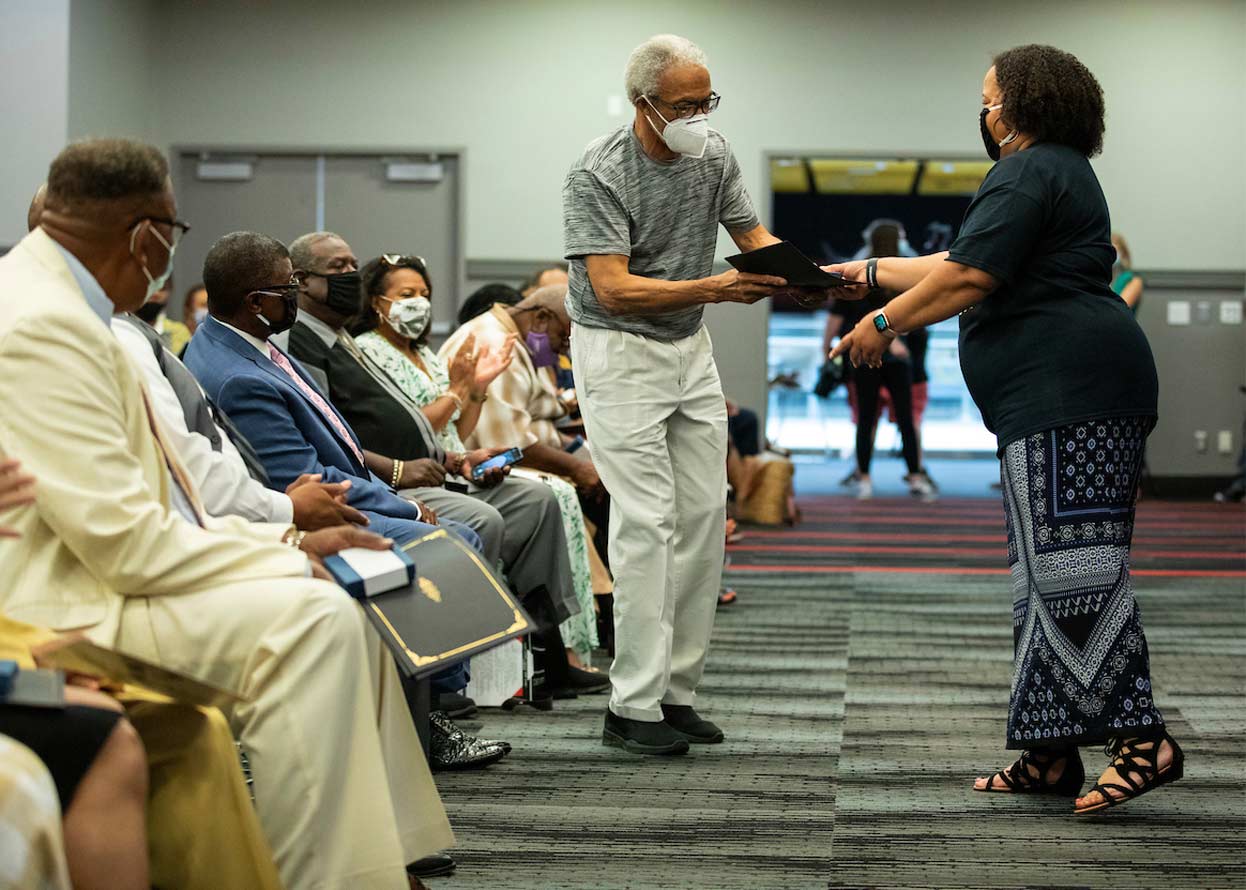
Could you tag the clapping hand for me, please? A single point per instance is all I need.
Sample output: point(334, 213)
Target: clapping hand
point(491, 362)
point(463, 365)
point(16, 489)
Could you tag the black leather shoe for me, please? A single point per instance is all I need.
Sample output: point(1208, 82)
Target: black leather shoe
point(640, 737)
point(452, 749)
point(689, 725)
point(455, 705)
point(432, 866)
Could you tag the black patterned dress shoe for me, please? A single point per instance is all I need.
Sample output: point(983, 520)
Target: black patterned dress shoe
point(452, 749)
point(641, 737)
point(434, 866)
point(691, 726)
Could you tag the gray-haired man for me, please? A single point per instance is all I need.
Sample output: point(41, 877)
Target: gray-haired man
point(642, 208)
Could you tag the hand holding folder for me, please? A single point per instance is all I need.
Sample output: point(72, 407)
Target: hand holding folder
point(808, 283)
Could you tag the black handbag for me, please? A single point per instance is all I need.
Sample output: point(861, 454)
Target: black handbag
point(831, 375)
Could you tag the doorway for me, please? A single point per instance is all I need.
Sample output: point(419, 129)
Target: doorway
point(391, 202)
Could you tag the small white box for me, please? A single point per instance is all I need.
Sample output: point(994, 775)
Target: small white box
point(1230, 311)
point(1179, 312)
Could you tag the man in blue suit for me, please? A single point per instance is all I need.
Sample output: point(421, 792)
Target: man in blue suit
point(271, 398)
point(277, 406)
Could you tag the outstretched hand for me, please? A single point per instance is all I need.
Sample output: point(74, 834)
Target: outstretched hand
point(864, 345)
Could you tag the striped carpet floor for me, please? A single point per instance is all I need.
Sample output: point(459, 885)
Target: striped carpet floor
point(863, 681)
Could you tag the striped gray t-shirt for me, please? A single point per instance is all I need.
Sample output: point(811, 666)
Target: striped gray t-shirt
point(663, 217)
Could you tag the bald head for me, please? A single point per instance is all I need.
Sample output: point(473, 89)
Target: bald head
point(36, 207)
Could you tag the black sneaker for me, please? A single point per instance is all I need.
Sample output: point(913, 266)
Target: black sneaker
point(689, 725)
point(456, 705)
point(582, 682)
point(640, 737)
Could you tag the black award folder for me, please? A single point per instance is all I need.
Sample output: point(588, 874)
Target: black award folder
point(785, 261)
point(454, 608)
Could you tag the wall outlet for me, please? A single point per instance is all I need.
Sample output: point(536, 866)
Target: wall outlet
point(1224, 441)
point(1200, 441)
point(1202, 311)
point(1230, 311)
point(1178, 311)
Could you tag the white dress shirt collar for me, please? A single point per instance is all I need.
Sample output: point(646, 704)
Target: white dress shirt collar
point(255, 341)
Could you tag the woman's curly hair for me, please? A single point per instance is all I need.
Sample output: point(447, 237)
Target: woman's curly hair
point(1050, 95)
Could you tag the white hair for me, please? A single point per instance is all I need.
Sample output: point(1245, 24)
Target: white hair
point(649, 61)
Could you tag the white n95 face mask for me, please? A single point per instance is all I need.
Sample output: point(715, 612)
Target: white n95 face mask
point(686, 136)
point(410, 317)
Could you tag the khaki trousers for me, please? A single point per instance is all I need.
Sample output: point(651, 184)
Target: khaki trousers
point(657, 421)
point(342, 789)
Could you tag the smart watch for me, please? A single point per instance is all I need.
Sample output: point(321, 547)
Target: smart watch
point(881, 324)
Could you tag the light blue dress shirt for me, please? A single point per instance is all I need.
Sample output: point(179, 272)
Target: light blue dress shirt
point(103, 307)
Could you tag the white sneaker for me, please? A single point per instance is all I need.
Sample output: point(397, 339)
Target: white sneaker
point(920, 486)
point(865, 490)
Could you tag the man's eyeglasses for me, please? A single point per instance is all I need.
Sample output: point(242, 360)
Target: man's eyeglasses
point(284, 291)
point(708, 105)
point(179, 229)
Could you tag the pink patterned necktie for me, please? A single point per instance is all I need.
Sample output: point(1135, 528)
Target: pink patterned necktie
point(314, 397)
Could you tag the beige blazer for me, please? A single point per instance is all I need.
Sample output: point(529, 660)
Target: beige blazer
point(101, 529)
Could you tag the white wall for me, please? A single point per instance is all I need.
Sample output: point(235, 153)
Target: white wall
point(523, 86)
point(34, 53)
point(112, 44)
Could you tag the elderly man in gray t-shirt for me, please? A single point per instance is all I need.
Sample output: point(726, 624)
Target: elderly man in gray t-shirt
point(642, 208)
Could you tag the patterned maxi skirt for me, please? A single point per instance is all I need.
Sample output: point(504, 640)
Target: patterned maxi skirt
point(1081, 674)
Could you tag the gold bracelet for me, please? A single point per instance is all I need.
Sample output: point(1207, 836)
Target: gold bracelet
point(397, 474)
point(479, 399)
point(294, 538)
point(458, 403)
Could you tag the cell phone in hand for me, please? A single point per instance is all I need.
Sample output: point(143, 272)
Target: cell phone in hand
point(505, 459)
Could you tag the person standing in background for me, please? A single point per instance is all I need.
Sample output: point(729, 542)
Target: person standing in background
point(895, 373)
point(1126, 283)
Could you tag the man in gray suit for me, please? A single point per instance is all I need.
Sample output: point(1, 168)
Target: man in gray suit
point(518, 519)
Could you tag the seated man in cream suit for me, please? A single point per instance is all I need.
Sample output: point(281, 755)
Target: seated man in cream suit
point(119, 545)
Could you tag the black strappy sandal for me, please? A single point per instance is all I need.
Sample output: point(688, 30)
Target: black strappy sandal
point(1019, 779)
point(1129, 760)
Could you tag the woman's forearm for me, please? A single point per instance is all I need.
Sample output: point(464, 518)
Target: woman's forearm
point(440, 411)
point(899, 273)
point(948, 290)
point(468, 418)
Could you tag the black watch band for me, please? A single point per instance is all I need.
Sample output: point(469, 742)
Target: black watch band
point(871, 272)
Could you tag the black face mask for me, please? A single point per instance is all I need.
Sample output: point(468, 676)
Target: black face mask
point(287, 319)
point(343, 297)
point(988, 141)
point(149, 311)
